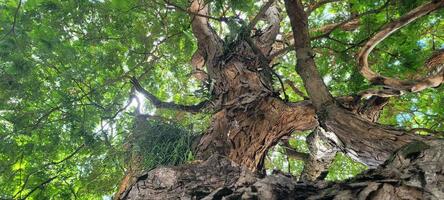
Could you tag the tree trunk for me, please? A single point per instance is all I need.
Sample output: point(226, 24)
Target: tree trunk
point(415, 172)
point(250, 118)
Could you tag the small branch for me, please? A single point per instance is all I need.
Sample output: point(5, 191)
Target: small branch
point(282, 84)
point(292, 153)
point(220, 19)
point(131, 97)
point(313, 6)
point(69, 156)
point(14, 22)
point(259, 15)
point(296, 90)
point(40, 186)
point(44, 167)
point(169, 105)
point(434, 132)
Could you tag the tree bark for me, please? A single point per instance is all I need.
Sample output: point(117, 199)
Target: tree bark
point(249, 118)
point(361, 139)
point(414, 172)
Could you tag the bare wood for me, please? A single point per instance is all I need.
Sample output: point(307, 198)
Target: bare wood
point(404, 85)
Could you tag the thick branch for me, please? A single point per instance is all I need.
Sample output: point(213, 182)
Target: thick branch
point(246, 136)
point(209, 43)
point(269, 36)
point(169, 105)
point(350, 24)
point(306, 68)
point(264, 42)
point(347, 25)
point(384, 92)
point(387, 30)
point(322, 146)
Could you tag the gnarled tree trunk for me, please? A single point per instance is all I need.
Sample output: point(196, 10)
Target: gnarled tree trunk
point(249, 118)
point(415, 172)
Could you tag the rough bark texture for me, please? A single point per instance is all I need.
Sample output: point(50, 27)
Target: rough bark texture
point(323, 148)
point(364, 141)
point(415, 172)
point(249, 118)
point(361, 139)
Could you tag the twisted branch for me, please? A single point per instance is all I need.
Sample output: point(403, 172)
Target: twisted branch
point(432, 80)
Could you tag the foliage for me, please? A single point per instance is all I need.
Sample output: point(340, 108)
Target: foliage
point(160, 143)
point(343, 167)
point(64, 87)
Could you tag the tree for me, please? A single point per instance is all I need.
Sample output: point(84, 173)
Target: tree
point(293, 66)
point(251, 119)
